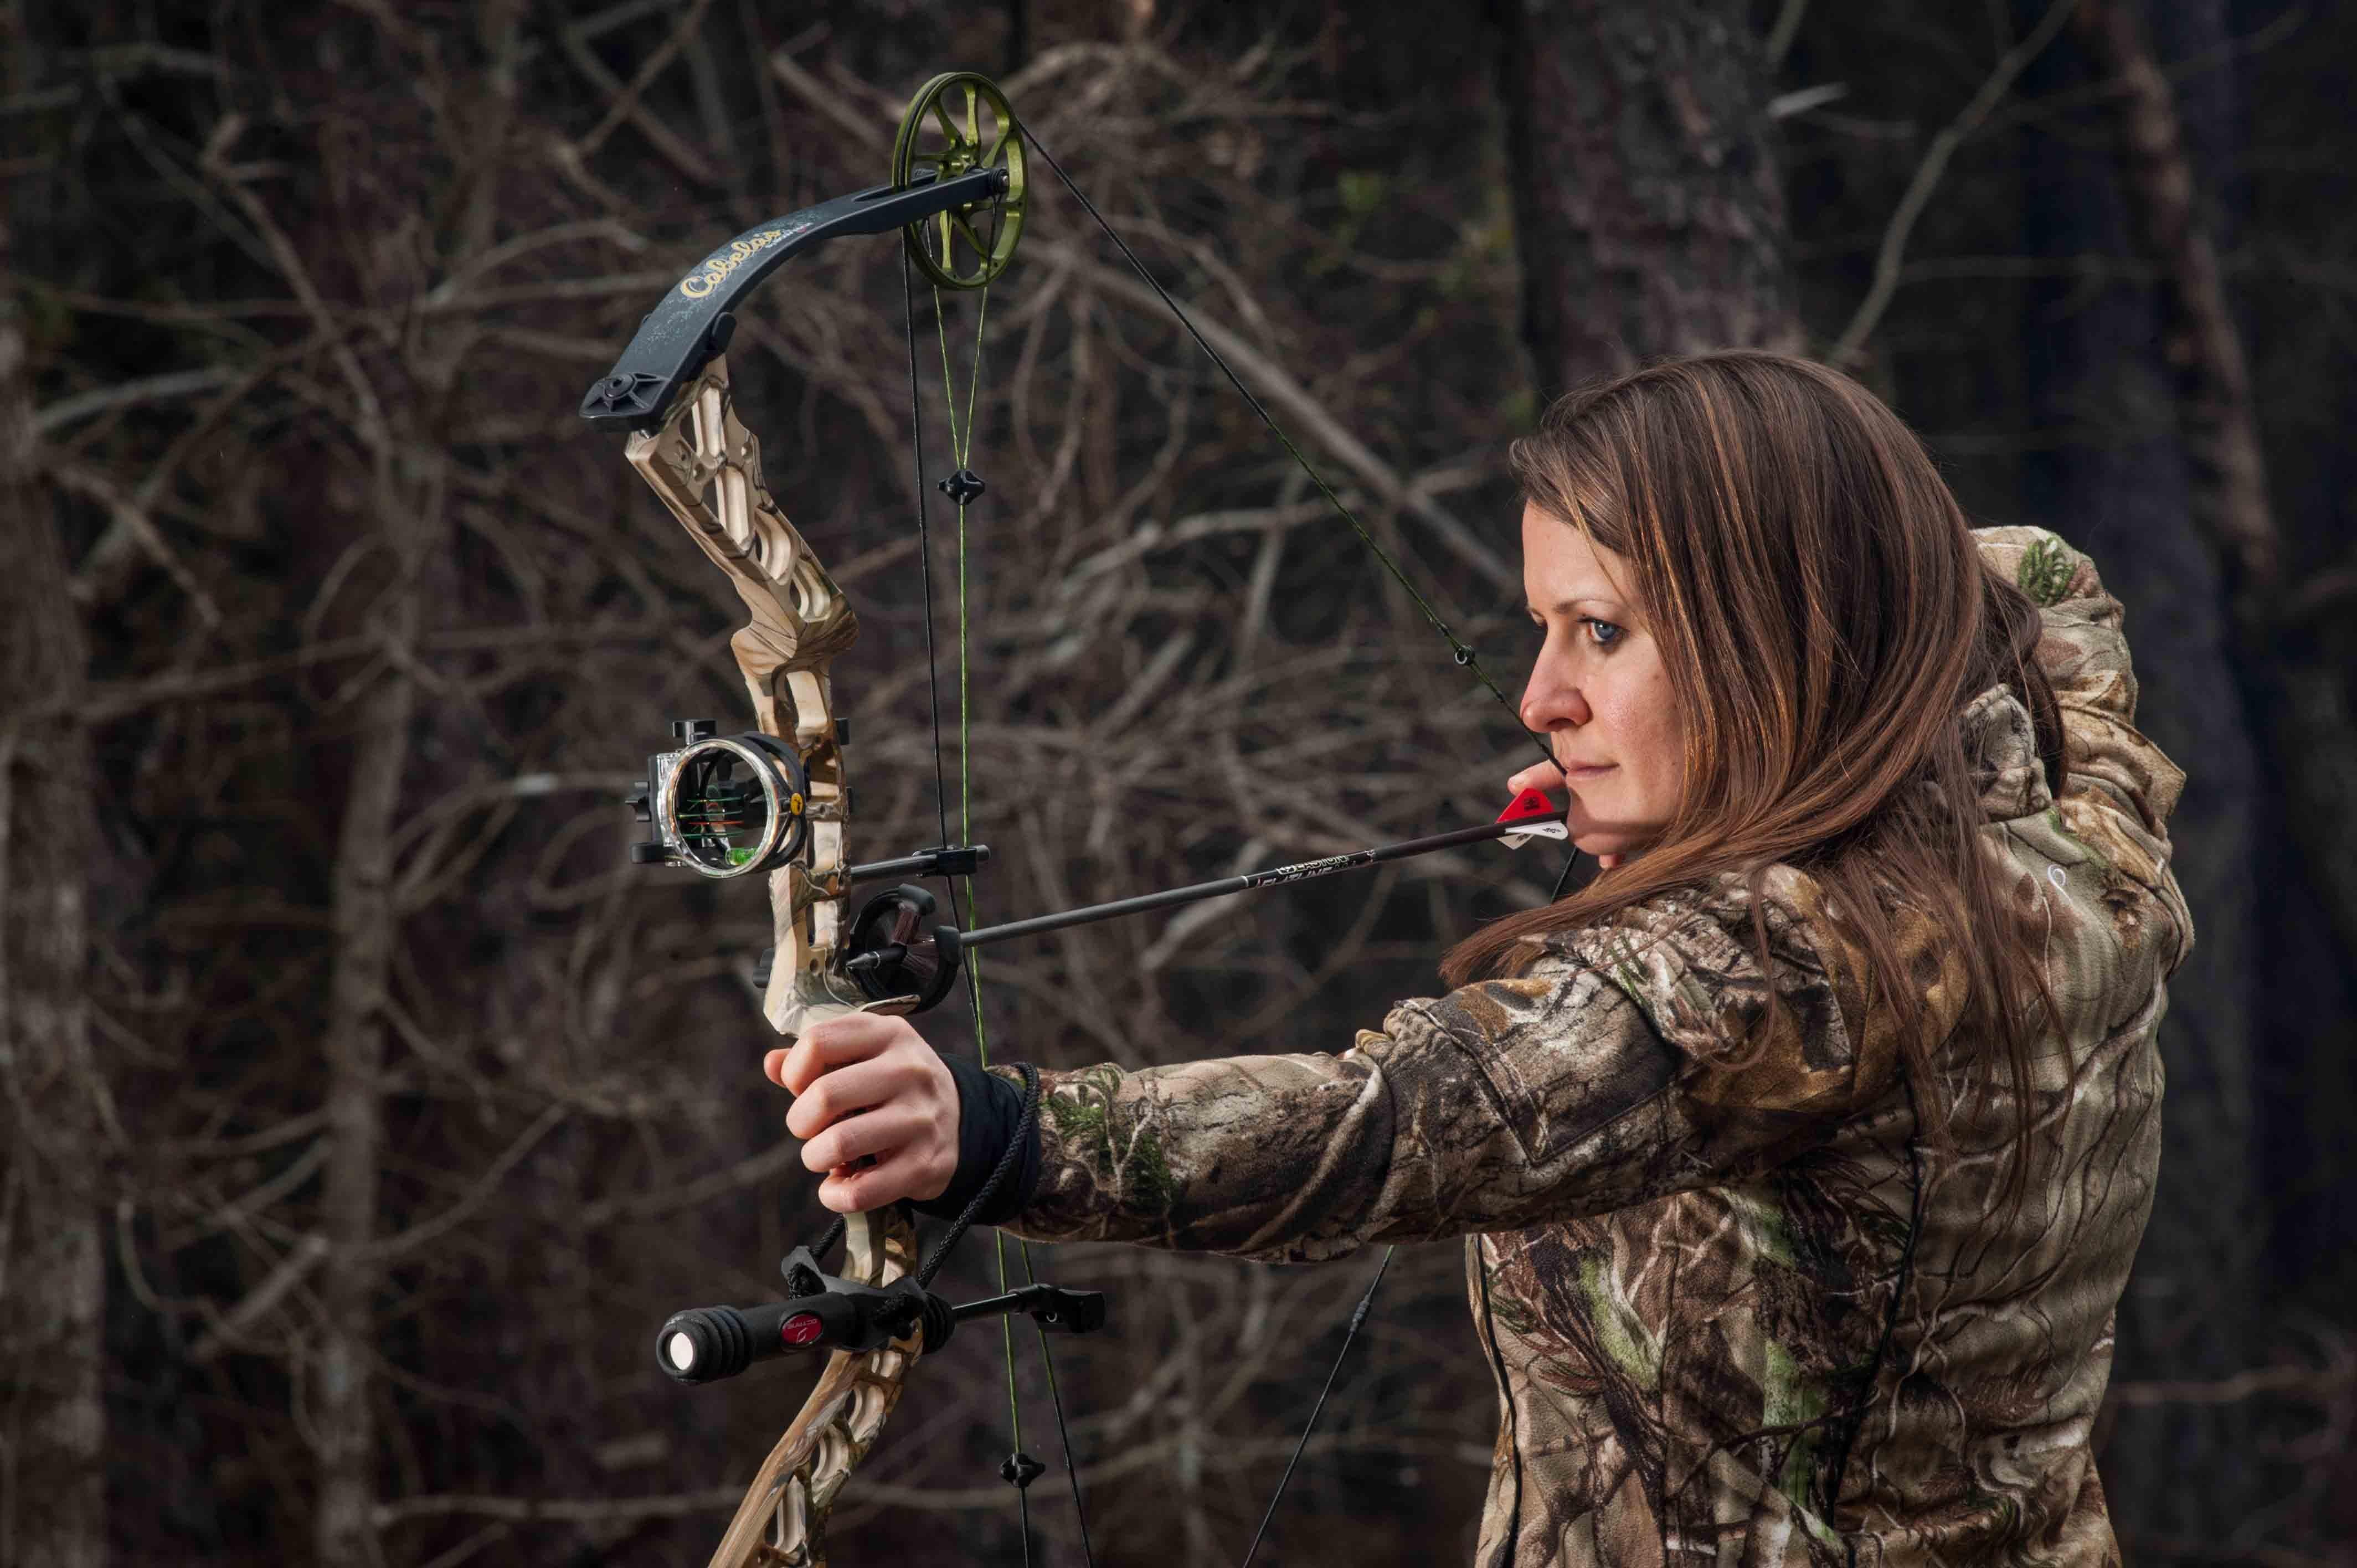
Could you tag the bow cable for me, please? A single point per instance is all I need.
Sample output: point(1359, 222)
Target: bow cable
point(1019, 1469)
point(925, 563)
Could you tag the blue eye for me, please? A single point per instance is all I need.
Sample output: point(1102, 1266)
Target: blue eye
point(1602, 633)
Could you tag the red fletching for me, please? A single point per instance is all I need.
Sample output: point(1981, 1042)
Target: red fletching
point(1528, 805)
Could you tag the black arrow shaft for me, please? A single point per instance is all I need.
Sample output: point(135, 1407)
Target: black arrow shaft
point(1299, 871)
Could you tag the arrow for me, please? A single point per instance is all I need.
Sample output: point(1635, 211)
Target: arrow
point(1528, 816)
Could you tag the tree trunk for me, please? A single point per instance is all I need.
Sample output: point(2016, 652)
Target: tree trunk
point(366, 928)
point(52, 1262)
point(1649, 214)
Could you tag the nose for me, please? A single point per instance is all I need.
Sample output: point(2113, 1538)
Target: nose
point(1552, 701)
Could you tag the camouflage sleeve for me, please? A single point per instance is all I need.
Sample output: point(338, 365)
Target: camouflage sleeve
point(1597, 1080)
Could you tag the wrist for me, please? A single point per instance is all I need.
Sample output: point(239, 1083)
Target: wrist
point(990, 1114)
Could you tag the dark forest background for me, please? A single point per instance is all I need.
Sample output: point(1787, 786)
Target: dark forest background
point(365, 1110)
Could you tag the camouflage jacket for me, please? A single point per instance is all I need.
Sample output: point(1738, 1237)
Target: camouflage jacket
point(1736, 1315)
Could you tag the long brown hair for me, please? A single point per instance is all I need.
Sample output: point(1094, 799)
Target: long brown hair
point(1822, 615)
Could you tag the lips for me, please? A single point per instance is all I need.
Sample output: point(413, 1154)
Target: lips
point(1584, 770)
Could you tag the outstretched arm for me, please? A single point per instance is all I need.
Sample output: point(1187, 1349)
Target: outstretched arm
point(1597, 1080)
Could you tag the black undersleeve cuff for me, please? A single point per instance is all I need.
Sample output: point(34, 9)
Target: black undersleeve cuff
point(989, 1111)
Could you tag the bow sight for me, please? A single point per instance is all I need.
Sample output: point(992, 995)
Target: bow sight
point(723, 807)
point(732, 806)
point(735, 805)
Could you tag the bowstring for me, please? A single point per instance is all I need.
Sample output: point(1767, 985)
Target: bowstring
point(961, 454)
point(1462, 652)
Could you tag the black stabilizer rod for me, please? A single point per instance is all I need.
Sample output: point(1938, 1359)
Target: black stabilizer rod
point(706, 1344)
point(1065, 1311)
point(1300, 871)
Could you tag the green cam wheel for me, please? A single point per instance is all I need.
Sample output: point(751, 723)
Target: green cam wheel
point(958, 122)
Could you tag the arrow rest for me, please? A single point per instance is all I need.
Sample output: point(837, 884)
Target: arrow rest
point(895, 957)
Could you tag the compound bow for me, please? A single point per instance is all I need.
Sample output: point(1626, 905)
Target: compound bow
point(777, 800)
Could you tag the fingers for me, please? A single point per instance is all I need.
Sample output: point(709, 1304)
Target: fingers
point(878, 1109)
point(887, 1181)
point(880, 1157)
point(1544, 777)
point(881, 1131)
point(853, 1037)
point(845, 1092)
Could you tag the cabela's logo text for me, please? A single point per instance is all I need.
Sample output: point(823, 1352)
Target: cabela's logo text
point(715, 269)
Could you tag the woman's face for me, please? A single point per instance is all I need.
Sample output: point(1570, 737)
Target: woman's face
point(1598, 692)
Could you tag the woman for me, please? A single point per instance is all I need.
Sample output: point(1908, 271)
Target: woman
point(1801, 1154)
